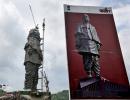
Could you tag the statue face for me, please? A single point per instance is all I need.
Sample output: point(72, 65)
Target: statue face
point(36, 31)
point(85, 18)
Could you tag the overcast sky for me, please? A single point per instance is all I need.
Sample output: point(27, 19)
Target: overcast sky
point(16, 21)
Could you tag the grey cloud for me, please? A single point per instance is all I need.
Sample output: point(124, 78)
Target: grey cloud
point(12, 41)
point(59, 82)
point(123, 25)
point(124, 38)
point(13, 36)
point(115, 3)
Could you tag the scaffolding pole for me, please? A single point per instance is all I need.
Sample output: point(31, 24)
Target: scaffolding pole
point(42, 76)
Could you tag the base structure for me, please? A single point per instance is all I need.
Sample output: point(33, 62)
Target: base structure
point(28, 95)
point(99, 88)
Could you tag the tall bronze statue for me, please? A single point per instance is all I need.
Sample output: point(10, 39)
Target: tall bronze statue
point(33, 59)
point(88, 45)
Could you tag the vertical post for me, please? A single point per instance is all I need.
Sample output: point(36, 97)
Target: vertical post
point(43, 25)
point(46, 82)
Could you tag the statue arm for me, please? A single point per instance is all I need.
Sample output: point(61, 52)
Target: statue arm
point(95, 36)
point(38, 50)
point(26, 46)
point(33, 49)
point(77, 37)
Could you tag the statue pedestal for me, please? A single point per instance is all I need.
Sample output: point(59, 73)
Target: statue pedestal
point(88, 81)
point(100, 88)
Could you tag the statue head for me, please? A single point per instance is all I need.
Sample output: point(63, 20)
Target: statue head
point(36, 27)
point(34, 30)
point(34, 33)
point(85, 18)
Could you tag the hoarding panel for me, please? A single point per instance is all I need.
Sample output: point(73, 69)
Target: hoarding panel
point(111, 60)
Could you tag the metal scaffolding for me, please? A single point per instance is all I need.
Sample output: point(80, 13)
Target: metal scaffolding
point(43, 78)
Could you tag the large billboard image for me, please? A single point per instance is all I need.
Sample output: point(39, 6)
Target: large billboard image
point(95, 61)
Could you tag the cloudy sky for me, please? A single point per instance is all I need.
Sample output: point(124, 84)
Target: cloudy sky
point(16, 21)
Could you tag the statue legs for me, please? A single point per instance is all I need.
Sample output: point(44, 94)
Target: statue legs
point(91, 64)
point(87, 60)
point(95, 66)
point(31, 76)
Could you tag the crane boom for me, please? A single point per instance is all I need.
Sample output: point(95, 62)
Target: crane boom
point(32, 15)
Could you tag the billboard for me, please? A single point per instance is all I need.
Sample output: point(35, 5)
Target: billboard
point(109, 63)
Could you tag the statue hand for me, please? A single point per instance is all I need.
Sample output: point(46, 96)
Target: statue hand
point(98, 47)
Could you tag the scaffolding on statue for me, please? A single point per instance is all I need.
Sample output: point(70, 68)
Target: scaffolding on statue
point(43, 78)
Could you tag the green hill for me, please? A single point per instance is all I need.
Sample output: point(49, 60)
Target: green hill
point(63, 95)
point(1, 92)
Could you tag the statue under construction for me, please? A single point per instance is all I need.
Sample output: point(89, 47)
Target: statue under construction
point(33, 59)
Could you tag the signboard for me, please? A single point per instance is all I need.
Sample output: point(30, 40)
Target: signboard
point(111, 62)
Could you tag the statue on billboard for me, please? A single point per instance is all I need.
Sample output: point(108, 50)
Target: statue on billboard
point(33, 59)
point(88, 45)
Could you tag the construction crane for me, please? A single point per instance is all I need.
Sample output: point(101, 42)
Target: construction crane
point(32, 15)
